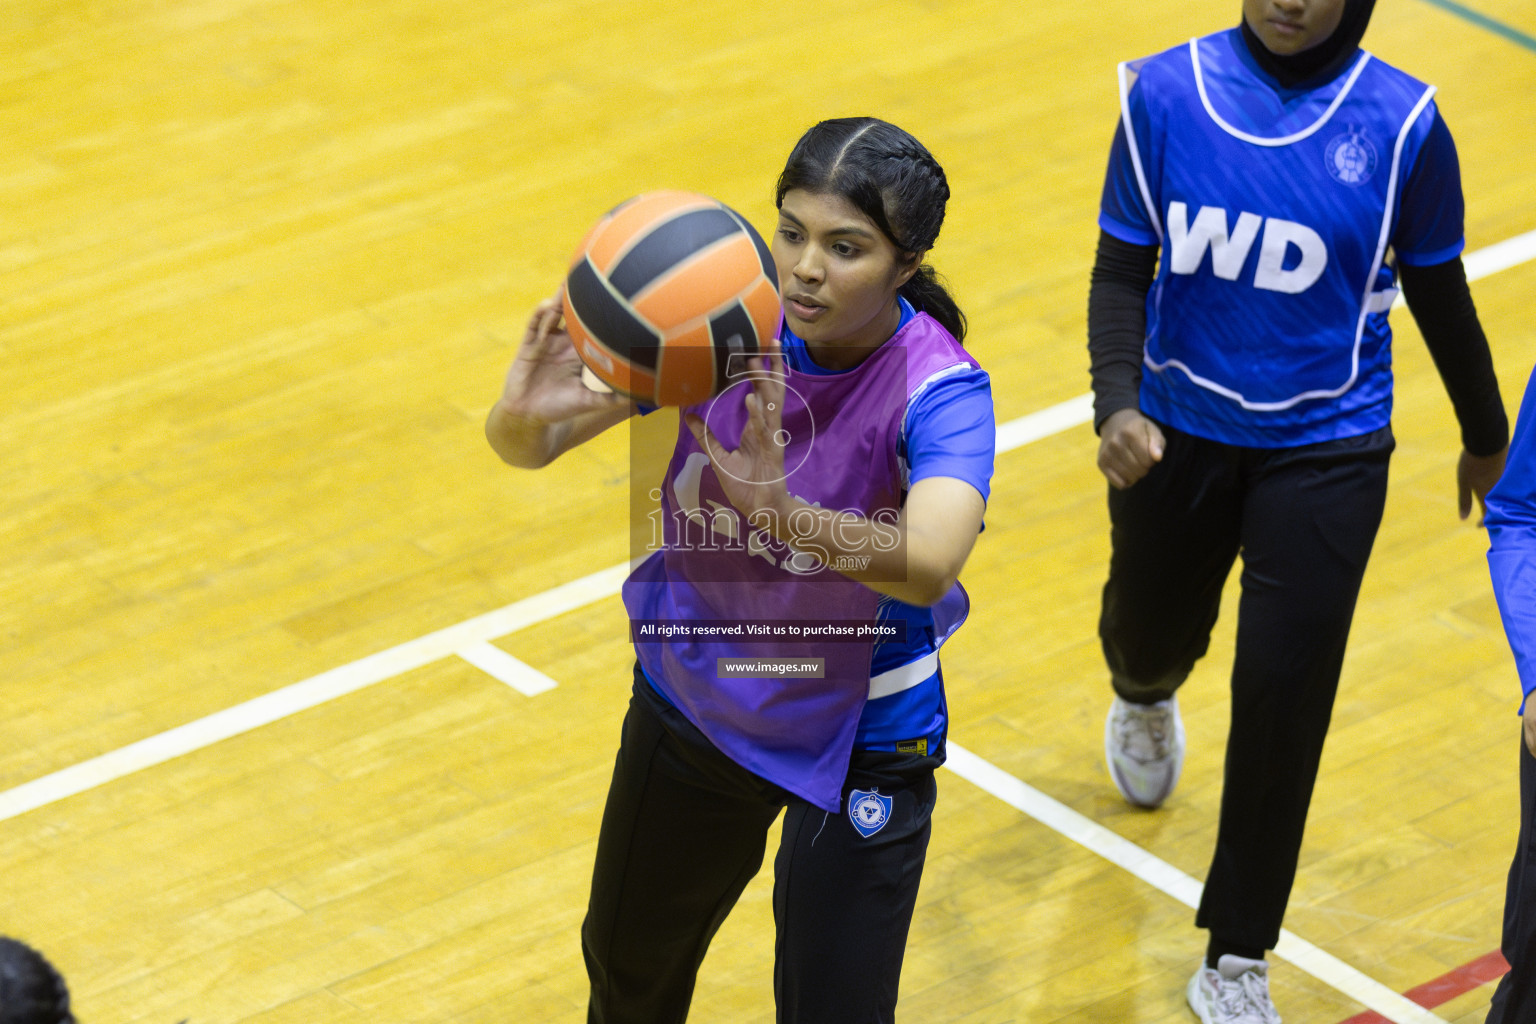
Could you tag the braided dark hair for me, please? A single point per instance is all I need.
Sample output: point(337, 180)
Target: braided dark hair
point(31, 991)
point(895, 182)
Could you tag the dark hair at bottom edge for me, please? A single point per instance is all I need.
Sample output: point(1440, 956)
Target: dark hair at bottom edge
point(32, 991)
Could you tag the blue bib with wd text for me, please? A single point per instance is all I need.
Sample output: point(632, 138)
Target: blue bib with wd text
point(1276, 211)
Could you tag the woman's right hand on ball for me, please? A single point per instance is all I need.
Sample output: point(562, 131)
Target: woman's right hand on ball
point(544, 384)
point(544, 408)
point(1129, 446)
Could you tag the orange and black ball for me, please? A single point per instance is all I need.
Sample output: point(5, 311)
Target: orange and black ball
point(669, 295)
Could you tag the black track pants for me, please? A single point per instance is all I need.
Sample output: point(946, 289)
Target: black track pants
point(684, 831)
point(1304, 520)
point(1514, 1002)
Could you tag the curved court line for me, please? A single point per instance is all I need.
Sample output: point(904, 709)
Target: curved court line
point(469, 638)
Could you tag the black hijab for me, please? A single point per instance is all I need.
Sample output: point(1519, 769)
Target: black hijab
point(1318, 63)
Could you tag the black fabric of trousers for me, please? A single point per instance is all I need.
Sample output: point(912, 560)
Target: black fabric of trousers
point(684, 831)
point(1304, 520)
point(1514, 1002)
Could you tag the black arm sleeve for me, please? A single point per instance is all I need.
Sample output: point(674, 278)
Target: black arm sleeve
point(1117, 323)
point(1441, 303)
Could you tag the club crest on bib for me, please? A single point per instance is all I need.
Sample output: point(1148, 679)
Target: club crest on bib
point(868, 810)
point(1350, 158)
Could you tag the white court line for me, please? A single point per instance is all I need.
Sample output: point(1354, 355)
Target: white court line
point(1065, 415)
point(1159, 873)
point(1038, 425)
point(1500, 256)
point(1015, 434)
point(494, 661)
point(309, 693)
point(412, 654)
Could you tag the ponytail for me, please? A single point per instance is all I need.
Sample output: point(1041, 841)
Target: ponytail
point(928, 295)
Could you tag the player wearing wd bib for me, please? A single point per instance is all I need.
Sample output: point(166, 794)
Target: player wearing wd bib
point(1267, 325)
point(1279, 180)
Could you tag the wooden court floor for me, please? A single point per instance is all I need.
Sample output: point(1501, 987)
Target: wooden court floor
point(262, 266)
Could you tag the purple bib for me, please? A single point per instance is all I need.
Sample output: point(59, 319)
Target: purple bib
point(841, 453)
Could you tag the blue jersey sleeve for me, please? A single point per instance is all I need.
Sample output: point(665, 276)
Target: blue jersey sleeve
point(951, 431)
point(1430, 217)
point(1122, 208)
point(1511, 523)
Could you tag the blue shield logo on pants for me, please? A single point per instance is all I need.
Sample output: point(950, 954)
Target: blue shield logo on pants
point(868, 810)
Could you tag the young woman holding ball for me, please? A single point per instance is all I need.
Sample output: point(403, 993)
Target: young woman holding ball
point(867, 414)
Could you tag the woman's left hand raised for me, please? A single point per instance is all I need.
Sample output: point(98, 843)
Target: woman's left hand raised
point(753, 475)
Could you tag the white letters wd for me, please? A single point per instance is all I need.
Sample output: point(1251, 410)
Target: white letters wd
point(1314, 257)
point(1187, 245)
point(1210, 229)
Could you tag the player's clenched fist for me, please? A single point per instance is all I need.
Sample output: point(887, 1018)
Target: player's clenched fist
point(1129, 446)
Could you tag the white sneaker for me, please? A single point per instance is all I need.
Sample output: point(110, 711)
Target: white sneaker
point(1236, 993)
point(1144, 746)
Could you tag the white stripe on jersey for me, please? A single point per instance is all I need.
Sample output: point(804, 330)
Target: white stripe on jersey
point(904, 677)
